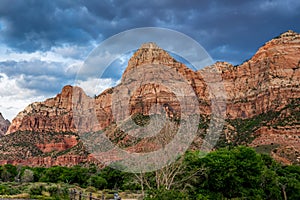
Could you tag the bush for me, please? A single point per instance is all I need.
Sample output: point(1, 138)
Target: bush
point(3, 189)
point(109, 196)
point(166, 195)
point(91, 189)
point(53, 189)
point(98, 182)
point(6, 190)
point(28, 176)
point(36, 189)
point(57, 191)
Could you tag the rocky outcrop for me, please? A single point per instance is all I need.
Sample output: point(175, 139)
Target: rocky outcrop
point(4, 124)
point(52, 115)
point(266, 82)
point(65, 160)
point(72, 110)
point(66, 143)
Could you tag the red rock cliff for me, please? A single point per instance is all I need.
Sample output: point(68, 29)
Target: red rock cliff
point(266, 82)
point(4, 124)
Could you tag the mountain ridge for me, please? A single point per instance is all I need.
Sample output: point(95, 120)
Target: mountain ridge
point(268, 82)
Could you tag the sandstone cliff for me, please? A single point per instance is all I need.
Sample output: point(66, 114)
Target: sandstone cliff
point(259, 92)
point(4, 124)
point(267, 81)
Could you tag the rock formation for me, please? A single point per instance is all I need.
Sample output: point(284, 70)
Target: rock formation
point(4, 124)
point(268, 82)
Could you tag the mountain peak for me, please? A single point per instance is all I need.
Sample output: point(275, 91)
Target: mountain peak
point(150, 45)
point(287, 36)
point(277, 47)
point(289, 33)
point(149, 53)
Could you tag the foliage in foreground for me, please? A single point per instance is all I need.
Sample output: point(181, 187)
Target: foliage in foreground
point(228, 173)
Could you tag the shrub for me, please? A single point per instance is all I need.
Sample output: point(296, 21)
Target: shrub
point(3, 189)
point(53, 189)
point(6, 190)
point(36, 189)
point(28, 176)
point(91, 189)
point(166, 194)
point(98, 182)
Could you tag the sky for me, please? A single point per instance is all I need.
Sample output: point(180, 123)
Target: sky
point(43, 44)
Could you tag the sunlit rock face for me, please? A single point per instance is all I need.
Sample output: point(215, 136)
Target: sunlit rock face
point(269, 81)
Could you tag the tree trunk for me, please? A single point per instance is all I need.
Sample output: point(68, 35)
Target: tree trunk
point(284, 192)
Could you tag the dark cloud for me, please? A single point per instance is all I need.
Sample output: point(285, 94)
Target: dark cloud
point(38, 25)
point(242, 26)
point(34, 67)
point(43, 77)
point(46, 85)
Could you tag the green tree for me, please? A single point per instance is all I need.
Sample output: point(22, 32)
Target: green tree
point(52, 174)
point(98, 182)
point(233, 173)
point(289, 182)
point(28, 176)
point(38, 173)
point(75, 174)
point(115, 178)
point(6, 175)
point(8, 172)
point(270, 185)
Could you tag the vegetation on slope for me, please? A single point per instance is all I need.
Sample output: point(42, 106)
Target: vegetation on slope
point(242, 131)
point(231, 173)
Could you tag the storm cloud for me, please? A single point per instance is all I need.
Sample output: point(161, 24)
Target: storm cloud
point(236, 25)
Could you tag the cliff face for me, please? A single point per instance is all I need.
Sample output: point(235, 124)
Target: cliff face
point(54, 114)
point(72, 110)
point(67, 160)
point(268, 82)
point(4, 124)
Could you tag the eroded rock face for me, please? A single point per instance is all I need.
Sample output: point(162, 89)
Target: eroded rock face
point(66, 143)
point(65, 160)
point(268, 81)
point(53, 115)
point(72, 110)
point(4, 124)
point(263, 83)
